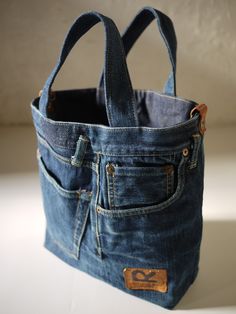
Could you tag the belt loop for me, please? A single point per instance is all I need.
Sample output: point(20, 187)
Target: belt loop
point(77, 158)
point(196, 145)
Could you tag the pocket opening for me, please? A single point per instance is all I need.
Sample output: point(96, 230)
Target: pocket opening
point(55, 182)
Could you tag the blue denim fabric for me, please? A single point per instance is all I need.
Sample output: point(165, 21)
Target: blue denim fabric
point(122, 180)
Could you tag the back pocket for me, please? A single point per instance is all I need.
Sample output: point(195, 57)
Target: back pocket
point(138, 186)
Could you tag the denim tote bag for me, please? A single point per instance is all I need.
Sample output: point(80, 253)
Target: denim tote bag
point(122, 171)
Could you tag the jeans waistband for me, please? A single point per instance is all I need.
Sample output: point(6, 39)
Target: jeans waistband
point(106, 139)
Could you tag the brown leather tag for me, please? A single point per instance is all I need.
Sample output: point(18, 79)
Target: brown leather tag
point(146, 279)
point(202, 109)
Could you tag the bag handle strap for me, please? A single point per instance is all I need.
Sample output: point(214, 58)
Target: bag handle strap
point(140, 22)
point(119, 98)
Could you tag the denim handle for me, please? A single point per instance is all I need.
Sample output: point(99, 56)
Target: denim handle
point(119, 98)
point(143, 18)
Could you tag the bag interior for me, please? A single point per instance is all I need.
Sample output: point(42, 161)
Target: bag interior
point(153, 109)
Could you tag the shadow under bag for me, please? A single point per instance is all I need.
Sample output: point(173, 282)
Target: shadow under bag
point(122, 171)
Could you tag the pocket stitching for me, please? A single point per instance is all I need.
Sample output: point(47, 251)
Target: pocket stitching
point(140, 171)
point(110, 180)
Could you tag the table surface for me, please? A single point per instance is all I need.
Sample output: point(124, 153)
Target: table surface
point(34, 281)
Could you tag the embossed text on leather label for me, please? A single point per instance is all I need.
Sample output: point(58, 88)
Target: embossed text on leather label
point(146, 279)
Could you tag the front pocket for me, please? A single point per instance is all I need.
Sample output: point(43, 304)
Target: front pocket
point(138, 186)
point(66, 211)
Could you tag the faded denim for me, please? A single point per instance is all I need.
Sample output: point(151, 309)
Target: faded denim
point(122, 171)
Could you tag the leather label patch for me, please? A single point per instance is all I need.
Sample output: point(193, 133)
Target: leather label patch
point(146, 279)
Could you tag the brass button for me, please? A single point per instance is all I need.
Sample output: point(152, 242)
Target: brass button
point(185, 152)
point(110, 169)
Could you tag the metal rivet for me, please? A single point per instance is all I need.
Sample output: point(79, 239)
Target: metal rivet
point(185, 152)
point(110, 169)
